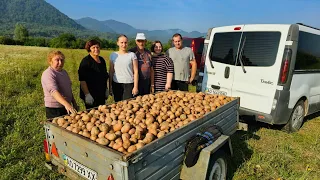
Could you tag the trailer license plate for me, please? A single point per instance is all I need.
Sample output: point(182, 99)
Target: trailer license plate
point(79, 168)
point(213, 91)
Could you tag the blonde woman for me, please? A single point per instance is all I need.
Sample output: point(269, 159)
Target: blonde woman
point(56, 84)
point(123, 71)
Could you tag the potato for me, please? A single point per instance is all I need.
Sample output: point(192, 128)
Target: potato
point(121, 149)
point(126, 144)
point(93, 137)
point(65, 125)
point(77, 117)
point(149, 120)
point(132, 148)
point(69, 128)
point(153, 131)
point(133, 139)
point(125, 136)
point(85, 117)
point(149, 137)
point(89, 126)
point(108, 120)
point(95, 131)
point(61, 121)
point(86, 134)
point(164, 126)
point(93, 120)
point(111, 136)
point(111, 144)
point(132, 131)
point(118, 133)
point(104, 127)
point(139, 145)
point(161, 134)
point(116, 146)
point(102, 141)
point(117, 127)
point(102, 134)
point(126, 127)
point(75, 130)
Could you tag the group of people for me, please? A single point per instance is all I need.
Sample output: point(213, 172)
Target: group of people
point(132, 72)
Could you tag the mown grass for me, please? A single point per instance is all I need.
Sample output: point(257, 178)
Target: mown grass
point(260, 153)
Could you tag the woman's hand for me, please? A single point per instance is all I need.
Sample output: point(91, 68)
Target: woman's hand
point(89, 99)
point(70, 109)
point(168, 86)
point(135, 91)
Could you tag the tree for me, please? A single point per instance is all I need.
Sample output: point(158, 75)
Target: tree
point(63, 41)
point(20, 33)
point(6, 40)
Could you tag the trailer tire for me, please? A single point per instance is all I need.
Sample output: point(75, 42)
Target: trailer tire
point(296, 118)
point(218, 166)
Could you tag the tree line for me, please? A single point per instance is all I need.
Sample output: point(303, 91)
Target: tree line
point(65, 40)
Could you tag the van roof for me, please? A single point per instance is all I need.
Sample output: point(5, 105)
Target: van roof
point(301, 24)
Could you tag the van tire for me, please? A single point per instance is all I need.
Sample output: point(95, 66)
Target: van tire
point(296, 118)
point(217, 169)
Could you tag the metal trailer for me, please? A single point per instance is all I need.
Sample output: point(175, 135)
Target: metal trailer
point(78, 157)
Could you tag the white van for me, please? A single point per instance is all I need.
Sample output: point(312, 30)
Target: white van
point(273, 68)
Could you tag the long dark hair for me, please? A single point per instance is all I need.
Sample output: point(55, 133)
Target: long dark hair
point(154, 45)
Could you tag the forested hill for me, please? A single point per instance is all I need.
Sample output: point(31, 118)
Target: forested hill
point(41, 19)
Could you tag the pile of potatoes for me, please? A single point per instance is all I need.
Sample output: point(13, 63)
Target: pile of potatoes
point(131, 124)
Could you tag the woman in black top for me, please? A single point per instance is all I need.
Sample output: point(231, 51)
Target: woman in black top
point(163, 68)
point(93, 76)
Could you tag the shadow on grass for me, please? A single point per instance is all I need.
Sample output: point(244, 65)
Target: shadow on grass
point(241, 151)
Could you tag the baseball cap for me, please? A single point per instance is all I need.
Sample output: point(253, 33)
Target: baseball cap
point(140, 36)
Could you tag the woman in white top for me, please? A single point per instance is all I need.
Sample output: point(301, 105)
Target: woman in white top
point(123, 72)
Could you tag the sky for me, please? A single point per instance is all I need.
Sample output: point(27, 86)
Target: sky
point(193, 15)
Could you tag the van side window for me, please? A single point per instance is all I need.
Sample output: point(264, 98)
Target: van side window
point(308, 53)
point(260, 48)
point(224, 47)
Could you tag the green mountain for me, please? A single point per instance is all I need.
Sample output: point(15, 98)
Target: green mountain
point(41, 19)
point(123, 28)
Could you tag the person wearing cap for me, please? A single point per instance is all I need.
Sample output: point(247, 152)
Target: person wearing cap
point(144, 65)
point(182, 57)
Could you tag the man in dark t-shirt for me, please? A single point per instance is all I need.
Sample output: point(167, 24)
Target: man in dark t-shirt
point(144, 64)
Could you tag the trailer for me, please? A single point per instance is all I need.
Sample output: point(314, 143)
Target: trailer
point(78, 157)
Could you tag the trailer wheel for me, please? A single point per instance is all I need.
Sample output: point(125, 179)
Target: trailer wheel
point(296, 118)
point(218, 166)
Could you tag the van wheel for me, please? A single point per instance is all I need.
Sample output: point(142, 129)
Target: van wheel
point(296, 118)
point(218, 166)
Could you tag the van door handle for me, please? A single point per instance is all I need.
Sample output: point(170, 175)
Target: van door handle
point(215, 87)
point(227, 72)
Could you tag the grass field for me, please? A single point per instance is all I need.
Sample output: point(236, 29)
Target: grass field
point(261, 153)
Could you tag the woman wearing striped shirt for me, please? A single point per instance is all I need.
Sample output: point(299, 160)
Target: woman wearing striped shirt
point(163, 68)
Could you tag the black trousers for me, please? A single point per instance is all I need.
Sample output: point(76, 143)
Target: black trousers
point(144, 86)
point(179, 85)
point(122, 91)
point(55, 112)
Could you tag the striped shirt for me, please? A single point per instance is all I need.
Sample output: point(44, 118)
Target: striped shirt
point(162, 65)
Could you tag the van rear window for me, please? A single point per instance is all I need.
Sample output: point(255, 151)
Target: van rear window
point(257, 48)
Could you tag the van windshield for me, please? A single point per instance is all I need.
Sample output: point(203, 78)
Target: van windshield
point(259, 48)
